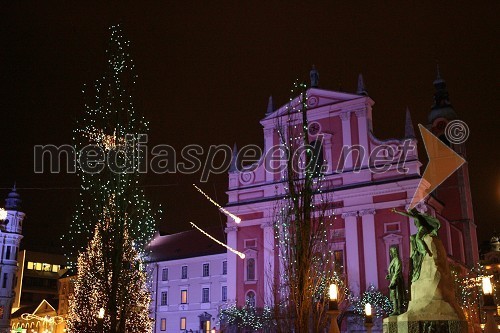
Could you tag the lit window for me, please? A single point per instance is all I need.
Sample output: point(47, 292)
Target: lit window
point(30, 265)
point(224, 267)
point(47, 267)
point(164, 274)
point(339, 261)
point(184, 273)
point(224, 293)
point(55, 268)
point(251, 269)
point(184, 296)
point(183, 323)
point(163, 324)
point(164, 300)
point(205, 295)
point(206, 270)
point(38, 266)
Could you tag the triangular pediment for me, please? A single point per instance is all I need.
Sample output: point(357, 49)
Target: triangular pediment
point(316, 98)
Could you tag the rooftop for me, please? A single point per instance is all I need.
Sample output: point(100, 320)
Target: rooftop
point(186, 244)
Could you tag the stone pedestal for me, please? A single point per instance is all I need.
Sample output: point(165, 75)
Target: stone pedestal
point(433, 307)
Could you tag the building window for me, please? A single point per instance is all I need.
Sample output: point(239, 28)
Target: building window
point(164, 274)
point(184, 273)
point(163, 324)
point(224, 267)
point(164, 298)
point(206, 270)
point(251, 269)
point(339, 261)
point(250, 299)
point(205, 295)
point(392, 227)
point(317, 158)
point(30, 265)
point(224, 293)
point(183, 323)
point(184, 296)
point(7, 253)
point(55, 268)
point(4, 282)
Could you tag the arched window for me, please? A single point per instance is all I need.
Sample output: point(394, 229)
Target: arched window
point(250, 269)
point(250, 299)
point(317, 157)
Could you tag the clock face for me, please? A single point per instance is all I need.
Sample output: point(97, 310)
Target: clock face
point(314, 128)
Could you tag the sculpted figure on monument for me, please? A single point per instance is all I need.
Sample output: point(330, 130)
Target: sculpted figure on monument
point(396, 282)
point(426, 225)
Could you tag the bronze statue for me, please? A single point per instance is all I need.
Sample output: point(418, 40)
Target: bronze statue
point(396, 283)
point(426, 225)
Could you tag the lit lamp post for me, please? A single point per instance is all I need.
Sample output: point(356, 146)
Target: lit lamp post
point(368, 318)
point(333, 308)
point(489, 306)
point(100, 320)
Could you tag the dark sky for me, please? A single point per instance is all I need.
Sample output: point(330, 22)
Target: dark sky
point(206, 70)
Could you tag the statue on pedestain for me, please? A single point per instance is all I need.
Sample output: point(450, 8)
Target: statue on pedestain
point(426, 225)
point(396, 282)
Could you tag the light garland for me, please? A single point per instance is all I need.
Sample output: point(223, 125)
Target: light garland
point(241, 255)
point(225, 211)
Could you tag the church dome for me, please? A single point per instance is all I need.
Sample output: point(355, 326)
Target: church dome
point(13, 200)
point(446, 112)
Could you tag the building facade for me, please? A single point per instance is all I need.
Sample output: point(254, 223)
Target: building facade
point(361, 197)
point(189, 281)
point(10, 238)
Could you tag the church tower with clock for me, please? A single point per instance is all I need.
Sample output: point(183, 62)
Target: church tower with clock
point(444, 123)
point(11, 227)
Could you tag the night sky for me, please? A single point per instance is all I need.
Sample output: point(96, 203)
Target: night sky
point(207, 69)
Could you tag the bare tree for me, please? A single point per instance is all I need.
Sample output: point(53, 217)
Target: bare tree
point(303, 219)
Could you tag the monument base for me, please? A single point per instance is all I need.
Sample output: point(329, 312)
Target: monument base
point(393, 325)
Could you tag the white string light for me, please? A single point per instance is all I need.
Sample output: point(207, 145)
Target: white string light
point(241, 255)
point(231, 215)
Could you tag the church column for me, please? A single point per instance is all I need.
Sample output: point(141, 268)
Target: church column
point(268, 273)
point(346, 137)
point(352, 253)
point(369, 246)
point(268, 144)
point(363, 134)
point(232, 240)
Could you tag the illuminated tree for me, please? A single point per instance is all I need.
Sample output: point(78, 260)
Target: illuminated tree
point(381, 304)
point(94, 280)
point(111, 128)
point(302, 222)
point(110, 139)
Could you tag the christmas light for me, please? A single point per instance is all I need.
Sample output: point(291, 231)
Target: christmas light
point(241, 255)
point(231, 215)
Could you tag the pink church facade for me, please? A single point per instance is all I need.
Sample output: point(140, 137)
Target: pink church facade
point(360, 194)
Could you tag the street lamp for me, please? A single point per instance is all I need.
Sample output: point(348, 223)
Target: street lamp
point(100, 320)
point(368, 317)
point(333, 308)
point(489, 306)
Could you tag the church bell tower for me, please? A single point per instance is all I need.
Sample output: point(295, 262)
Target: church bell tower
point(10, 237)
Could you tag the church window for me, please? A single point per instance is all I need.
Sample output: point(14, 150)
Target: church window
point(251, 269)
